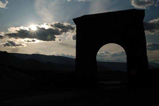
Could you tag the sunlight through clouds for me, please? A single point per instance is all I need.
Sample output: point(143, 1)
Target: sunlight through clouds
point(33, 27)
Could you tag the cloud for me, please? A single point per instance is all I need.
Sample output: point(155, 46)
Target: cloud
point(53, 10)
point(74, 37)
point(78, 0)
point(61, 10)
point(11, 44)
point(82, 0)
point(143, 4)
point(152, 47)
point(1, 37)
point(99, 6)
point(104, 53)
point(118, 54)
point(64, 28)
point(45, 32)
point(42, 8)
point(157, 2)
point(111, 56)
point(152, 27)
point(30, 40)
point(66, 44)
point(3, 5)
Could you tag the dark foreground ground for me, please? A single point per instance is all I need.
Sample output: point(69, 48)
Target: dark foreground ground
point(33, 83)
point(112, 90)
point(96, 97)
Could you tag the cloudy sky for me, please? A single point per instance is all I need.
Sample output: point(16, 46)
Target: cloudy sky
point(46, 26)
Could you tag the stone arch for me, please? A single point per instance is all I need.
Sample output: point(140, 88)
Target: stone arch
point(124, 28)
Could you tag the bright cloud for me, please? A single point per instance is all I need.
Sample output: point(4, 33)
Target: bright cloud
point(152, 27)
point(3, 5)
point(144, 3)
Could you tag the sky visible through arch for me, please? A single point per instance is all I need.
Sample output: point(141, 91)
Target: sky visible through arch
point(111, 52)
point(46, 26)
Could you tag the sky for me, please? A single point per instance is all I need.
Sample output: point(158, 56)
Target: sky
point(46, 26)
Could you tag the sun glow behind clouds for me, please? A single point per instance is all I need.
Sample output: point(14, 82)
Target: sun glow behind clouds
point(33, 27)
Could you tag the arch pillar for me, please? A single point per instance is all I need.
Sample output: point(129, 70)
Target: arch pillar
point(124, 28)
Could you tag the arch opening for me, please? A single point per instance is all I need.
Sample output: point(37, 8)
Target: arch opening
point(112, 65)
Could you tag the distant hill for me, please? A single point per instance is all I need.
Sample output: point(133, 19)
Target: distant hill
point(116, 66)
point(153, 65)
point(32, 62)
point(46, 58)
point(60, 60)
point(45, 62)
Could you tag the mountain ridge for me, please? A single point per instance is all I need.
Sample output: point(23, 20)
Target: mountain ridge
point(58, 61)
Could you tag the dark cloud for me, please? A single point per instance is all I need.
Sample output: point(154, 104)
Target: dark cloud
point(1, 37)
point(20, 34)
point(105, 53)
point(74, 37)
point(157, 3)
point(109, 56)
point(43, 33)
point(30, 40)
point(152, 27)
point(118, 54)
point(143, 3)
point(47, 34)
point(64, 28)
point(153, 47)
point(11, 44)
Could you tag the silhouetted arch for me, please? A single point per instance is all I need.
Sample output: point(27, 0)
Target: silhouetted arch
point(124, 28)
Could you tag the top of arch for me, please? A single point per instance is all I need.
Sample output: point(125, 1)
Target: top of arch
point(131, 14)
